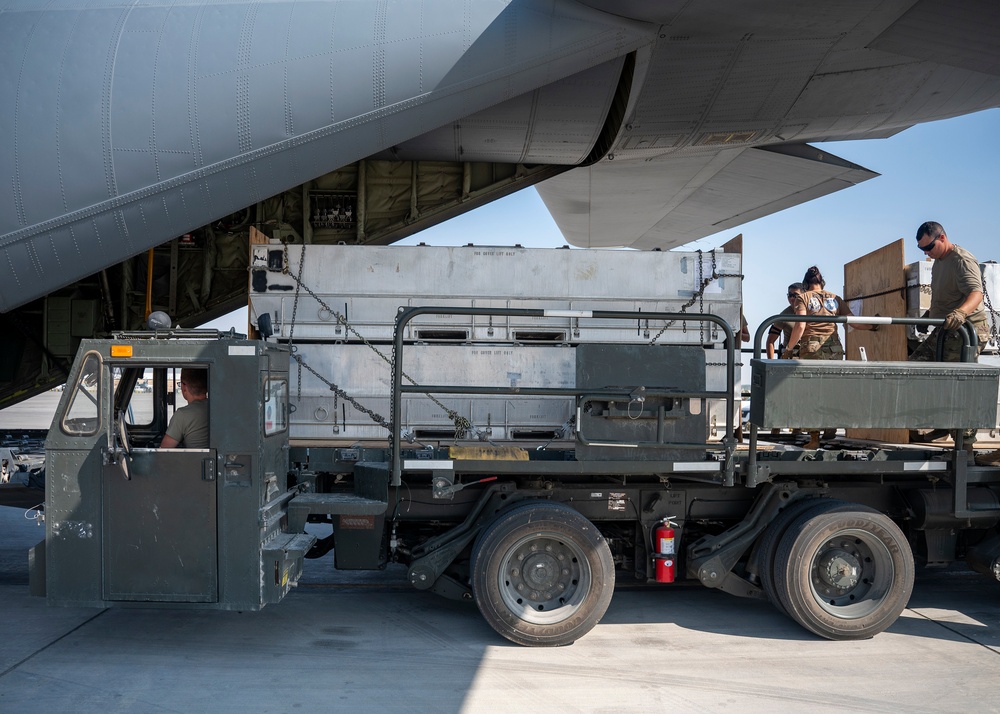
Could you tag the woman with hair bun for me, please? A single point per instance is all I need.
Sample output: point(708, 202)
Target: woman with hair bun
point(818, 340)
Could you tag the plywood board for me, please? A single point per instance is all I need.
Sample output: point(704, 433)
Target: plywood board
point(256, 237)
point(875, 284)
point(733, 245)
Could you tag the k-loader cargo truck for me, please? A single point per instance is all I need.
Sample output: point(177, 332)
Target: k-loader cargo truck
point(519, 429)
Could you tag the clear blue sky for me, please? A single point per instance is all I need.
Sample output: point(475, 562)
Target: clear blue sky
point(947, 171)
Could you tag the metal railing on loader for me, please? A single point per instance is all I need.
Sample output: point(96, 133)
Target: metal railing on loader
point(970, 351)
point(405, 315)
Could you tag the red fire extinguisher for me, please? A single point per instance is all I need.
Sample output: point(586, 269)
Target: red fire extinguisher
point(664, 553)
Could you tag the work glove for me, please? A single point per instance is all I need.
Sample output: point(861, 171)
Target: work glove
point(787, 354)
point(955, 319)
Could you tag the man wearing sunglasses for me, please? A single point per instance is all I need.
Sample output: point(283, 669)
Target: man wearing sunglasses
point(956, 293)
point(957, 298)
point(782, 330)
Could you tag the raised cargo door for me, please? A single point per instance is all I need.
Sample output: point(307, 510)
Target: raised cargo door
point(160, 534)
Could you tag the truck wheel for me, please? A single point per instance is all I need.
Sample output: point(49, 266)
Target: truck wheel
point(844, 575)
point(767, 545)
point(542, 574)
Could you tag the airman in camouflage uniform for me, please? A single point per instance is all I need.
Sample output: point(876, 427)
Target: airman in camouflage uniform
point(956, 294)
point(956, 297)
point(783, 330)
point(818, 340)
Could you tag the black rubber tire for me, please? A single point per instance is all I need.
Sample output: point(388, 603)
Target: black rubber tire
point(767, 544)
point(844, 575)
point(565, 588)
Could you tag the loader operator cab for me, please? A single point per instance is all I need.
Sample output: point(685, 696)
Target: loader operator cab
point(146, 398)
point(128, 521)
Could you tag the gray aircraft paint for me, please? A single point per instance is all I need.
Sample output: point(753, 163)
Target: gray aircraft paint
point(130, 123)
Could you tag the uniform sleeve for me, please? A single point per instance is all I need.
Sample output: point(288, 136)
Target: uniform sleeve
point(969, 275)
point(778, 327)
point(842, 309)
point(178, 426)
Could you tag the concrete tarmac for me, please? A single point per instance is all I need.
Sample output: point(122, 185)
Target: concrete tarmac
point(367, 642)
point(34, 413)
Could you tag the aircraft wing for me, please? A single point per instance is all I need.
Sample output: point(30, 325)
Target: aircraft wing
point(669, 202)
point(716, 130)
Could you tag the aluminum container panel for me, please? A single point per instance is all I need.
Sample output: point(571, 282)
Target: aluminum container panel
point(367, 285)
point(364, 375)
point(993, 360)
point(480, 365)
point(318, 413)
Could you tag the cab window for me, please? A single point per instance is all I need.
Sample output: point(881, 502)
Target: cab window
point(83, 412)
point(275, 405)
point(148, 396)
point(134, 395)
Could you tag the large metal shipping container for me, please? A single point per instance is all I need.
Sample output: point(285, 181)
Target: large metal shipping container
point(338, 306)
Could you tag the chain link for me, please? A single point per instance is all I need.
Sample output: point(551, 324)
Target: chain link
point(462, 425)
point(994, 328)
point(338, 392)
point(699, 295)
point(291, 330)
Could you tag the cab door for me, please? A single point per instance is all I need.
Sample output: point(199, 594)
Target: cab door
point(160, 523)
point(160, 540)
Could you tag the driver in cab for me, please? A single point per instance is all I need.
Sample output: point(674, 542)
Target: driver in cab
point(188, 428)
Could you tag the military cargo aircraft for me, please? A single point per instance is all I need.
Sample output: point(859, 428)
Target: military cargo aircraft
point(146, 142)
